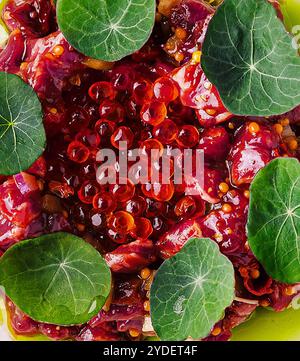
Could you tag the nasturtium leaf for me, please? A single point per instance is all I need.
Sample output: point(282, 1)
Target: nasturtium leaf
point(22, 134)
point(106, 29)
point(274, 219)
point(191, 290)
point(57, 278)
point(248, 55)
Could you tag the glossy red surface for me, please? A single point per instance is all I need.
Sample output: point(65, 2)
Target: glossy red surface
point(152, 102)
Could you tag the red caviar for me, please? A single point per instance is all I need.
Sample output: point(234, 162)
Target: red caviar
point(188, 136)
point(151, 144)
point(122, 138)
point(78, 152)
point(88, 138)
point(136, 206)
point(153, 113)
point(121, 222)
point(122, 192)
point(166, 132)
point(104, 202)
point(142, 91)
point(101, 90)
point(111, 110)
point(104, 129)
point(143, 228)
point(165, 90)
point(87, 192)
point(158, 191)
point(76, 119)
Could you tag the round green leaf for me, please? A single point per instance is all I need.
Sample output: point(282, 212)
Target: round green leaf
point(106, 29)
point(22, 135)
point(57, 278)
point(249, 57)
point(191, 290)
point(274, 219)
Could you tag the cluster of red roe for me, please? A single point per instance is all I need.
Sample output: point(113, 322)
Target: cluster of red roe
point(155, 99)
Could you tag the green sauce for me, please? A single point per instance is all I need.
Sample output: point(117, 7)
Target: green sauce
point(266, 325)
point(2, 3)
point(3, 28)
point(291, 12)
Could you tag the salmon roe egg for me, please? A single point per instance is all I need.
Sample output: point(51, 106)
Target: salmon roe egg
point(134, 333)
point(101, 90)
point(293, 144)
point(264, 303)
point(58, 50)
point(158, 191)
point(247, 194)
point(135, 206)
point(104, 202)
point(145, 273)
point(211, 111)
point(140, 172)
point(165, 90)
point(87, 192)
point(147, 306)
point(154, 208)
point(162, 169)
point(124, 191)
point(255, 273)
point(253, 127)
point(188, 136)
point(216, 331)
point(143, 228)
point(122, 134)
point(178, 56)
point(151, 144)
point(226, 208)
point(224, 187)
point(121, 222)
point(111, 110)
point(105, 129)
point(142, 91)
point(166, 132)
point(180, 33)
point(289, 291)
point(78, 152)
point(153, 113)
point(278, 128)
point(88, 138)
point(75, 120)
point(285, 122)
